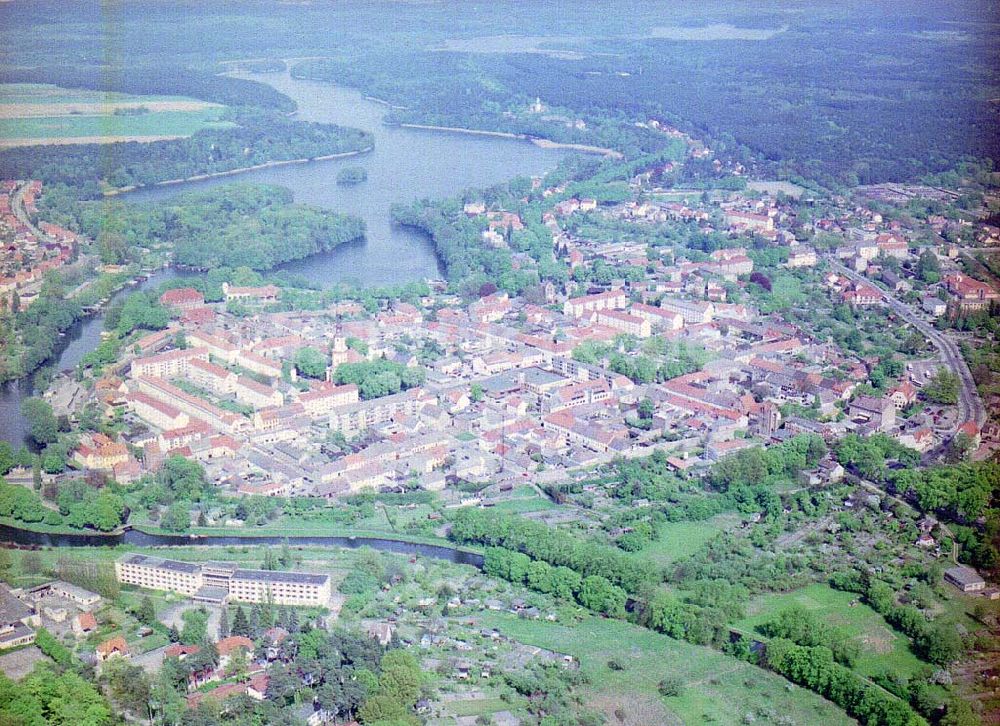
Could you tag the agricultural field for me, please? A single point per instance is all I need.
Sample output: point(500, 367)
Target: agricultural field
point(882, 647)
point(714, 688)
point(43, 114)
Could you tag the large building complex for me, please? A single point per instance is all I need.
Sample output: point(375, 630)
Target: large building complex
point(221, 581)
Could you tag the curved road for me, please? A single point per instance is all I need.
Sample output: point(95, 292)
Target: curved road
point(970, 405)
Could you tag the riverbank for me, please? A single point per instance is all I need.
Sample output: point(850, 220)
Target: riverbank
point(306, 530)
point(88, 312)
point(232, 172)
point(39, 534)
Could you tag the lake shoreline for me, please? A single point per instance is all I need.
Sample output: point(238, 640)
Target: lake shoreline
point(241, 170)
point(538, 141)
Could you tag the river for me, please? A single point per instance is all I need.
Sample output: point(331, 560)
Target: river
point(406, 164)
point(79, 340)
point(142, 539)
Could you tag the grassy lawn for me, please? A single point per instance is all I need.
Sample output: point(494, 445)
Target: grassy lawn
point(717, 688)
point(882, 647)
point(476, 707)
point(524, 498)
point(682, 539)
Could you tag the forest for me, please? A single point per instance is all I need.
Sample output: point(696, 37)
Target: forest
point(174, 81)
point(842, 94)
point(235, 225)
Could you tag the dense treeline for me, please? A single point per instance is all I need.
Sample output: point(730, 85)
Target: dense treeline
point(814, 667)
point(257, 136)
point(554, 547)
point(235, 225)
point(594, 592)
point(857, 118)
point(174, 81)
point(448, 77)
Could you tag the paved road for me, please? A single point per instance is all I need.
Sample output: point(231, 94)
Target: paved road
point(970, 405)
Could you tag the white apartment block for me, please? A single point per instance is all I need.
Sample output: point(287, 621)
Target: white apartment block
point(221, 581)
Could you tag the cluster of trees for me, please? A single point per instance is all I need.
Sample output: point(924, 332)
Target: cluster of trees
point(815, 668)
point(549, 689)
point(50, 646)
point(139, 310)
point(53, 696)
point(179, 483)
point(83, 506)
point(681, 620)
point(378, 378)
point(254, 136)
point(98, 577)
point(943, 387)
point(23, 504)
point(803, 627)
point(593, 592)
point(11, 458)
point(555, 547)
point(351, 175)
point(43, 427)
point(962, 491)
point(310, 362)
point(31, 335)
point(458, 243)
point(235, 225)
point(758, 465)
point(661, 361)
point(869, 456)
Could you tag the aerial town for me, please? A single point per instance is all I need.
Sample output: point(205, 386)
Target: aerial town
point(442, 377)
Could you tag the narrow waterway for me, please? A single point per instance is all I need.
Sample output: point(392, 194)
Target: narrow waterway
point(141, 539)
point(79, 340)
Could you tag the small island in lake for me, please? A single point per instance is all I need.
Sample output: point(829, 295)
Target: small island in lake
point(351, 175)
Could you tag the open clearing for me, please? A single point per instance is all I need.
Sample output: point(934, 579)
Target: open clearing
point(717, 688)
point(682, 539)
point(882, 647)
point(32, 114)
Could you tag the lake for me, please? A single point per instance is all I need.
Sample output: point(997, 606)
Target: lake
point(406, 164)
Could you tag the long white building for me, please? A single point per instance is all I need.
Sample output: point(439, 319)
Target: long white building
point(221, 581)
